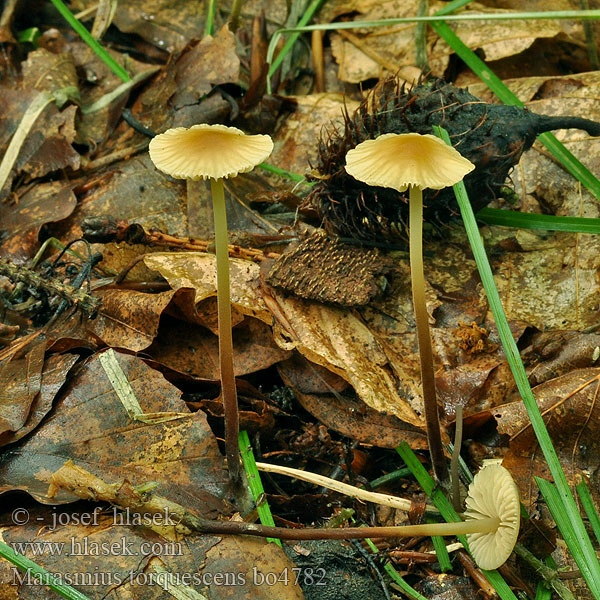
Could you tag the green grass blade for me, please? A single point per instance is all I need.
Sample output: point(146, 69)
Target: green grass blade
point(211, 11)
point(582, 549)
point(451, 7)
point(543, 592)
point(255, 484)
point(565, 525)
point(399, 581)
point(439, 18)
point(389, 477)
point(590, 509)
point(313, 7)
point(283, 173)
point(448, 512)
point(30, 35)
point(521, 220)
point(439, 545)
point(86, 36)
point(475, 64)
point(570, 163)
point(40, 574)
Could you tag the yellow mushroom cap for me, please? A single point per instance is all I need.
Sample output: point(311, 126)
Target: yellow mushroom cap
point(493, 493)
point(397, 161)
point(208, 151)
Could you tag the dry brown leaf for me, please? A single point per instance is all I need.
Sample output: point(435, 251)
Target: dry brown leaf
point(389, 49)
point(56, 152)
point(550, 279)
point(90, 425)
point(168, 25)
point(210, 62)
point(45, 203)
point(198, 271)
point(203, 313)
point(33, 405)
point(52, 132)
point(338, 340)
point(45, 70)
point(134, 191)
point(112, 553)
point(476, 380)
point(498, 39)
point(194, 351)
point(95, 127)
point(130, 319)
point(243, 223)
point(313, 386)
point(22, 381)
point(571, 410)
point(555, 353)
point(382, 50)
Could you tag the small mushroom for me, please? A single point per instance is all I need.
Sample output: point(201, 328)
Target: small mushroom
point(215, 152)
point(416, 162)
point(491, 522)
point(493, 493)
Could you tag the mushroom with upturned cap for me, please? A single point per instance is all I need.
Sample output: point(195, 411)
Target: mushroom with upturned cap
point(493, 493)
point(417, 162)
point(491, 524)
point(215, 152)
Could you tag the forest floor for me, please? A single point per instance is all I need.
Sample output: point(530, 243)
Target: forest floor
point(109, 351)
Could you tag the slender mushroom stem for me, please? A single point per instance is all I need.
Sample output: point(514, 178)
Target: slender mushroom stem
point(491, 533)
point(434, 438)
point(228, 389)
point(458, 432)
point(485, 525)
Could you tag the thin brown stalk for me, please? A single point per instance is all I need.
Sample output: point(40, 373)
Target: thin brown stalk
point(434, 438)
point(228, 389)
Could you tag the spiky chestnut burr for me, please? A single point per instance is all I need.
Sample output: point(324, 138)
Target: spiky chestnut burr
point(491, 136)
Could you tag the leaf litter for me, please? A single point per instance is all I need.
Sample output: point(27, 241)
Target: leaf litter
point(351, 374)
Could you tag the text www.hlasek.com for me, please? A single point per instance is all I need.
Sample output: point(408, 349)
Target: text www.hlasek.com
point(83, 547)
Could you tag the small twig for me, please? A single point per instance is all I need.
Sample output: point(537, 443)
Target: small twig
point(476, 574)
point(101, 229)
point(411, 557)
point(317, 60)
